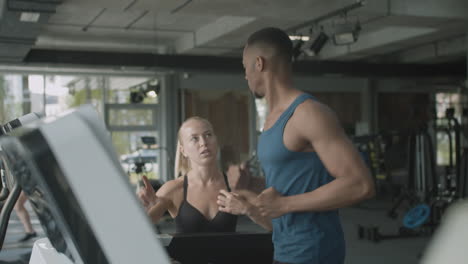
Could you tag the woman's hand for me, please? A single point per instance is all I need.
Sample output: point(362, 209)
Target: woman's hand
point(233, 203)
point(242, 203)
point(147, 195)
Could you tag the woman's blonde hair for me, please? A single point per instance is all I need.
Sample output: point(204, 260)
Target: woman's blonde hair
point(182, 163)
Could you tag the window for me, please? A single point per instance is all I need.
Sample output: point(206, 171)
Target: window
point(52, 94)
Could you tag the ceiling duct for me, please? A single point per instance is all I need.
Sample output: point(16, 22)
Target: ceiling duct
point(20, 24)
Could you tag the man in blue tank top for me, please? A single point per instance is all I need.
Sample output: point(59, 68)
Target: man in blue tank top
point(311, 167)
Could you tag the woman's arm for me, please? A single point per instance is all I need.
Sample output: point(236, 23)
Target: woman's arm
point(156, 204)
point(158, 209)
point(146, 194)
point(242, 202)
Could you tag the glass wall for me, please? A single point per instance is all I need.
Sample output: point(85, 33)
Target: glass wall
point(12, 95)
point(129, 105)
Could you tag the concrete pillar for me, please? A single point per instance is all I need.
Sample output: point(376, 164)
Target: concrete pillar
point(368, 124)
point(169, 117)
point(26, 95)
point(88, 90)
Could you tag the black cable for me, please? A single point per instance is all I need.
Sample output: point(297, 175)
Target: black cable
point(180, 7)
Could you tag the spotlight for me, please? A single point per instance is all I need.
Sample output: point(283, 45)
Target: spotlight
point(151, 94)
point(346, 33)
point(317, 45)
point(147, 89)
point(136, 97)
point(152, 88)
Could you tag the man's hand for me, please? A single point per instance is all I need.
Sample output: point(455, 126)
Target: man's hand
point(146, 194)
point(233, 203)
point(271, 203)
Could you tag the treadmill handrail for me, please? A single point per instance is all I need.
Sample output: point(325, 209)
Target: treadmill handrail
point(6, 211)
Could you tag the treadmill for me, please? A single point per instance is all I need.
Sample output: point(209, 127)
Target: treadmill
point(67, 167)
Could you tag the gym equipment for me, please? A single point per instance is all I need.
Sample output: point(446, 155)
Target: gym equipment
point(422, 165)
point(10, 188)
point(18, 122)
point(463, 188)
point(416, 216)
point(6, 181)
point(423, 214)
point(429, 195)
point(224, 248)
point(373, 234)
point(369, 149)
point(374, 151)
point(90, 215)
point(216, 248)
point(450, 185)
point(422, 180)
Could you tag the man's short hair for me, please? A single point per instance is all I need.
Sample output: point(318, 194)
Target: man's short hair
point(275, 38)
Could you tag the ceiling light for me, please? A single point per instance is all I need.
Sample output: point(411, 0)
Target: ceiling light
point(296, 37)
point(136, 97)
point(151, 94)
point(152, 88)
point(346, 33)
point(30, 17)
point(317, 45)
point(147, 89)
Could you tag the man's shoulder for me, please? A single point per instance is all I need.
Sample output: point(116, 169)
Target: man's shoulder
point(311, 109)
point(311, 105)
point(312, 117)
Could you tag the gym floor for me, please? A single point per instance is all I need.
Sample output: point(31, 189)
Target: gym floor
point(401, 251)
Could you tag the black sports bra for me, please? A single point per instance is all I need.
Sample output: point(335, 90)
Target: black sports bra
point(190, 220)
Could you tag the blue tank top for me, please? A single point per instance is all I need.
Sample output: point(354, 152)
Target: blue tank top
point(305, 237)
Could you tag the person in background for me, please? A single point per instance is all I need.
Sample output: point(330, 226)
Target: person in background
point(23, 215)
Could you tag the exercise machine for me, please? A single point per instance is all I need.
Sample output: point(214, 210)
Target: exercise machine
point(69, 170)
point(428, 193)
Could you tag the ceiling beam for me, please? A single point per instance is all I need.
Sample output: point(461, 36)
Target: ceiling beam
point(44, 7)
point(2, 8)
point(374, 41)
point(210, 32)
point(420, 8)
point(435, 50)
point(50, 41)
point(228, 64)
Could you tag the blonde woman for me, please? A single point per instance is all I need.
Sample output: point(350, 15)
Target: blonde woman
point(192, 198)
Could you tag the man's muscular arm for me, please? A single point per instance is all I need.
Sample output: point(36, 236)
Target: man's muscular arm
point(317, 125)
